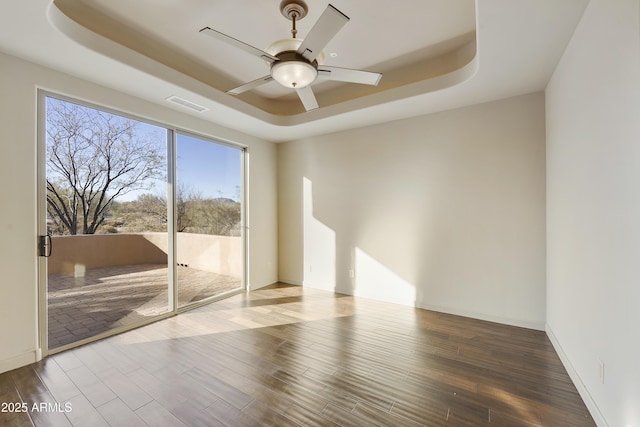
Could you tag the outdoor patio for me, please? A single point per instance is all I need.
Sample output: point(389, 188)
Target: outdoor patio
point(109, 297)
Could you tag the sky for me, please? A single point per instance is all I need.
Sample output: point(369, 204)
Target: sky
point(210, 169)
point(204, 168)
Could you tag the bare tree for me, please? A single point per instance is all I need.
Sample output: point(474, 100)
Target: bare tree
point(154, 207)
point(218, 216)
point(93, 157)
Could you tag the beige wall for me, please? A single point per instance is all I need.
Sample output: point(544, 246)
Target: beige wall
point(18, 217)
point(445, 211)
point(75, 254)
point(593, 199)
point(218, 254)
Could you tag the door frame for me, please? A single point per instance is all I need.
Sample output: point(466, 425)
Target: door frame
point(41, 226)
point(244, 227)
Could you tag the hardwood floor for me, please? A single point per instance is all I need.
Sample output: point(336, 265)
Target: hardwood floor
point(288, 356)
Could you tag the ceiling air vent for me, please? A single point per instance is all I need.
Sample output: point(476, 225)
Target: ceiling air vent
point(191, 105)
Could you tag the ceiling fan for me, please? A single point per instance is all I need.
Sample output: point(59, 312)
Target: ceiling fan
point(296, 63)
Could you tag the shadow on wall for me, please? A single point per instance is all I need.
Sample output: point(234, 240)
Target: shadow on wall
point(365, 276)
point(319, 246)
point(373, 280)
point(420, 258)
point(445, 212)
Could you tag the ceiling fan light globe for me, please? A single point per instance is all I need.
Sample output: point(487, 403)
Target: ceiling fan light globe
point(294, 74)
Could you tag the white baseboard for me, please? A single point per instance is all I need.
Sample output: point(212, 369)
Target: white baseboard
point(538, 326)
point(577, 381)
point(19, 360)
point(255, 287)
point(290, 282)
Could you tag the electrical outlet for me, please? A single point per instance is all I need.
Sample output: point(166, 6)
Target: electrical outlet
point(352, 273)
point(601, 370)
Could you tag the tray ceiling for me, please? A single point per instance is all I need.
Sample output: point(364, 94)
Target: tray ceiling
point(435, 55)
point(408, 41)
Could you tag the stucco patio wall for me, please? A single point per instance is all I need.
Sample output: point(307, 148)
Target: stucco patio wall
point(73, 255)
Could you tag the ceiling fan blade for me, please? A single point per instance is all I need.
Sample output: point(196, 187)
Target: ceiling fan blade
point(237, 43)
point(251, 85)
point(308, 98)
point(348, 75)
point(325, 28)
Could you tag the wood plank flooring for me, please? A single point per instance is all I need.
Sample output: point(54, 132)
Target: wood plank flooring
point(289, 356)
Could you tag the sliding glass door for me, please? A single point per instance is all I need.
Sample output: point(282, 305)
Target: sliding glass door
point(137, 221)
point(106, 221)
point(209, 216)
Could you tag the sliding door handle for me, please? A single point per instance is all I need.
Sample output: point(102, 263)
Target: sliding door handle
point(45, 245)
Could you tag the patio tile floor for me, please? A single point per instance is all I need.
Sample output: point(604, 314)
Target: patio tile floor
point(110, 297)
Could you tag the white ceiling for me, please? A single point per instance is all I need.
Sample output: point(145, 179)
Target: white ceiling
point(435, 54)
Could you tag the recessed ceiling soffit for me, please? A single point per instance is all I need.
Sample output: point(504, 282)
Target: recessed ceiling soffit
point(221, 67)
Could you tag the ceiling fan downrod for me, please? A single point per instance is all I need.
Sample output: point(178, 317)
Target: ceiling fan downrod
point(293, 26)
point(293, 10)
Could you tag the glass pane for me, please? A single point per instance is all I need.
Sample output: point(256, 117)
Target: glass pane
point(208, 216)
point(107, 215)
